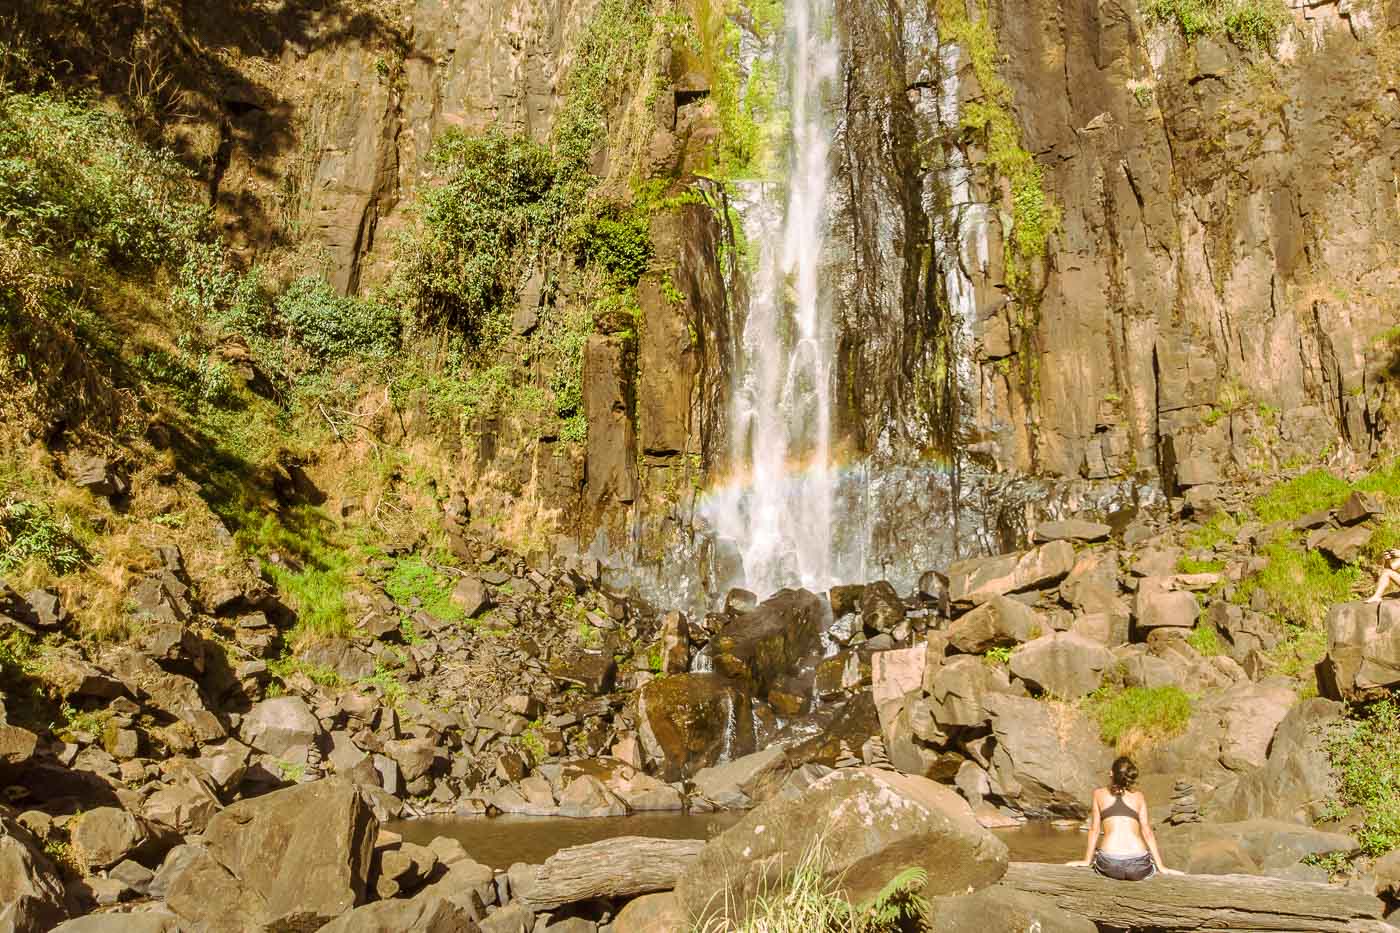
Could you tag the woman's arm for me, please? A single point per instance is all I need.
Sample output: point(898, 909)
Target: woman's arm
point(1094, 826)
point(1149, 837)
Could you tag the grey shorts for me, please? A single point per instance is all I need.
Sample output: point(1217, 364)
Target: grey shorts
point(1125, 867)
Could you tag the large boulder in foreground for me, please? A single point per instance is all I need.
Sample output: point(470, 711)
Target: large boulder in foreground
point(693, 721)
point(1048, 757)
point(286, 860)
point(758, 647)
point(32, 898)
point(870, 825)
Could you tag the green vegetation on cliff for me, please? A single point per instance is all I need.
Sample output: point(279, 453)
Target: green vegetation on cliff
point(1034, 216)
point(1252, 24)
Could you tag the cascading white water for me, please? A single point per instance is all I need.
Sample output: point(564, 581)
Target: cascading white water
point(778, 508)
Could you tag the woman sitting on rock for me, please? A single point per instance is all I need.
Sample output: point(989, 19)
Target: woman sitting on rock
point(1129, 849)
point(1389, 575)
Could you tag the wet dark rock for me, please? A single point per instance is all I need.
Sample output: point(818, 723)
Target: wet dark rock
point(692, 721)
point(595, 673)
point(845, 598)
point(758, 647)
point(880, 607)
point(740, 600)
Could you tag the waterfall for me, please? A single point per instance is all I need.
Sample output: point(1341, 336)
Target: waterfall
point(777, 508)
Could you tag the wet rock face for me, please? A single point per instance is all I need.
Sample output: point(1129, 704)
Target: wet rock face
point(758, 647)
point(692, 721)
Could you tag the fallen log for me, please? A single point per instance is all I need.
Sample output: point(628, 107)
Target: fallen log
point(1191, 903)
point(621, 867)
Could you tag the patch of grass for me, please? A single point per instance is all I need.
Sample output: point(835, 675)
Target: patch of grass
point(390, 687)
point(284, 667)
point(999, 655)
point(1299, 653)
point(1216, 531)
point(532, 742)
point(1251, 24)
point(809, 900)
point(413, 578)
point(1365, 755)
point(1188, 564)
point(1290, 500)
point(1137, 717)
point(1300, 585)
point(589, 636)
point(315, 579)
point(35, 531)
point(1205, 639)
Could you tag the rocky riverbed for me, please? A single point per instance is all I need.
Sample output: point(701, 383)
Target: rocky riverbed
point(201, 788)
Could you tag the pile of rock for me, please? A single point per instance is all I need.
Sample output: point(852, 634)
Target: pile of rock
point(1185, 807)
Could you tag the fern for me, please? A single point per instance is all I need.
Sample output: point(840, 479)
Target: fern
point(898, 902)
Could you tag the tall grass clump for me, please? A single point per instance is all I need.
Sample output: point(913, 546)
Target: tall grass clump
point(1365, 756)
point(1298, 584)
point(32, 531)
point(810, 901)
point(1312, 492)
point(1133, 718)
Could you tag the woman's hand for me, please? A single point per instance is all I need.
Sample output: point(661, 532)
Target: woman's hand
point(1078, 863)
point(1170, 871)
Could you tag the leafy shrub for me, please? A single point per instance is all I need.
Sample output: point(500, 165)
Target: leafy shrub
point(330, 327)
point(34, 531)
point(619, 240)
point(1365, 756)
point(77, 179)
point(497, 207)
point(1253, 24)
point(1136, 717)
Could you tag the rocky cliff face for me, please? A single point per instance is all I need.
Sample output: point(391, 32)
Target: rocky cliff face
point(1213, 298)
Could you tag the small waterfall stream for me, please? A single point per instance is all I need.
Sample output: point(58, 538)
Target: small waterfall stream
point(778, 507)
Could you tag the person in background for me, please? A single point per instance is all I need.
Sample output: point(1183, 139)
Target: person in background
point(1390, 574)
point(1121, 842)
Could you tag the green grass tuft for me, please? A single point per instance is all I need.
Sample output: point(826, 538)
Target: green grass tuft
point(1205, 639)
point(1312, 492)
point(1251, 24)
point(413, 578)
point(1299, 585)
point(1136, 717)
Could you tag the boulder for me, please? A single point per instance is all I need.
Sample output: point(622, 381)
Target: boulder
point(592, 671)
point(960, 688)
point(975, 581)
point(1344, 544)
point(106, 835)
point(1247, 847)
point(1359, 507)
point(845, 599)
point(471, 596)
point(1048, 757)
point(1003, 910)
point(284, 727)
point(1363, 650)
point(148, 921)
point(997, 623)
point(17, 746)
point(895, 673)
point(652, 913)
point(586, 796)
point(1159, 608)
point(1296, 779)
point(1249, 714)
point(349, 661)
point(760, 646)
point(880, 607)
point(32, 897)
point(415, 757)
point(426, 913)
point(675, 644)
point(1063, 664)
point(1387, 872)
point(294, 857)
point(692, 721)
point(873, 824)
point(1071, 529)
point(741, 783)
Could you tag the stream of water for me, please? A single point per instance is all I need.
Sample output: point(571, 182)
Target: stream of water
point(501, 841)
point(778, 506)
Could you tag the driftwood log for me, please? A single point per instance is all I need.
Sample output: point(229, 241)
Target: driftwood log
point(621, 867)
point(1181, 903)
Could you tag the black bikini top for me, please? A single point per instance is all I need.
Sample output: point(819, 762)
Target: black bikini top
point(1118, 808)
